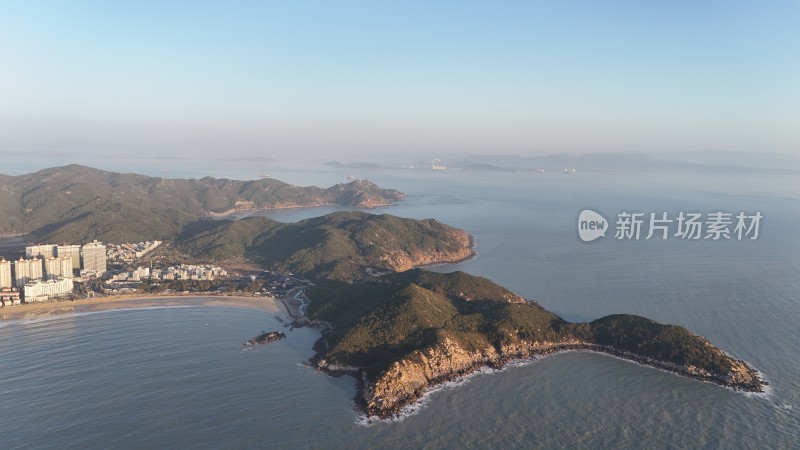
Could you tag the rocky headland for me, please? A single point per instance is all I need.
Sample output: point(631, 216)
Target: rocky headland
point(407, 333)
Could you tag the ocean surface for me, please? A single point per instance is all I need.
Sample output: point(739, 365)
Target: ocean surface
point(178, 377)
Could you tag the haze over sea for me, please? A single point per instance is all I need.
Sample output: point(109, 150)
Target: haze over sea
point(178, 377)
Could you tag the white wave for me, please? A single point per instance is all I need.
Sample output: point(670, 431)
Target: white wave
point(422, 402)
point(73, 314)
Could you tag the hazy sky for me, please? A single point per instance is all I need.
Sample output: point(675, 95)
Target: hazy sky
point(404, 77)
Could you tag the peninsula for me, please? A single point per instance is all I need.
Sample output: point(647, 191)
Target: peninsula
point(401, 333)
point(406, 332)
point(398, 329)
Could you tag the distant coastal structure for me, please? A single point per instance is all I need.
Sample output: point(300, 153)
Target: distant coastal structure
point(435, 166)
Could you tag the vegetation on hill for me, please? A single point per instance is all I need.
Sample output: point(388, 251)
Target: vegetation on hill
point(672, 343)
point(336, 246)
point(408, 331)
point(77, 204)
point(377, 321)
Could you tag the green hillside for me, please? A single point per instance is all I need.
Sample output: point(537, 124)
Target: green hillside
point(77, 204)
point(378, 321)
point(335, 246)
point(672, 343)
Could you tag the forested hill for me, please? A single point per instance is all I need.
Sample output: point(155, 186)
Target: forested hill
point(77, 204)
point(404, 333)
point(336, 246)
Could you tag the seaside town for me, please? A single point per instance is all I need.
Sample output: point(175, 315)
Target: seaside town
point(67, 272)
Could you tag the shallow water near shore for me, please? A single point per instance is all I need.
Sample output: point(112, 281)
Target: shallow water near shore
point(163, 378)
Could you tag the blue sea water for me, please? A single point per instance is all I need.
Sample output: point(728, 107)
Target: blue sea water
point(178, 378)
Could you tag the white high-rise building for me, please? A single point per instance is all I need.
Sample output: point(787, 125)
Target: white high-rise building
point(73, 251)
point(58, 268)
point(44, 250)
point(5, 274)
point(26, 270)
point(66, 266)
point(52, 268)
point(94, 257)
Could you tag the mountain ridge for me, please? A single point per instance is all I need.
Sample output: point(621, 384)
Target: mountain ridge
point(78, 203)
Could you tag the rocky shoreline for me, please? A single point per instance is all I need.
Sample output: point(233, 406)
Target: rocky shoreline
point(403, 262)
point(472, 254)
point(391, 393)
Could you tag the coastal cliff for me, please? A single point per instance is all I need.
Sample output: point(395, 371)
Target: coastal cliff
point(458, 246)
point(407, 379)
point(408, 332)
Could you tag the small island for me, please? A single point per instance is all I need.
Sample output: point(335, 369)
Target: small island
point(265, 338)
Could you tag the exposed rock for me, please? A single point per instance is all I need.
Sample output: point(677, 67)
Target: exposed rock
point(400, 261)
point(265, 338)
point(407, 379)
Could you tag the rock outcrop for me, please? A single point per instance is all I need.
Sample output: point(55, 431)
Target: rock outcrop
point(400, 261)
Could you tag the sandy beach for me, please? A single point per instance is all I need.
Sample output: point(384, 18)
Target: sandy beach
point(51, 308)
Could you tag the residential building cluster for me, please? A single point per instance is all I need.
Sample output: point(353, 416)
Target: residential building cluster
point(182, 272)
point(89, 257)
point(131, 252)
point(46, 271)
point(189, 272)
point(133, 275)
